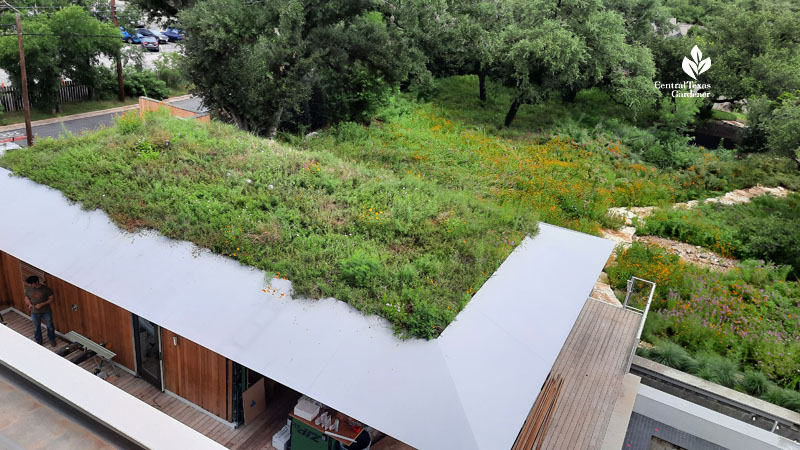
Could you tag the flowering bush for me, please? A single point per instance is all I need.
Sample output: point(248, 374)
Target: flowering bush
point(749, 315)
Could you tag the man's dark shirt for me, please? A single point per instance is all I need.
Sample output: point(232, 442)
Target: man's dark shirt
point(39, 295)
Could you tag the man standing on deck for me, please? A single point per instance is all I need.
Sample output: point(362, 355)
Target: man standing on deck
point(38, 298)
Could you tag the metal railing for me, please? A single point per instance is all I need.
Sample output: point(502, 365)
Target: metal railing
point(643, 312)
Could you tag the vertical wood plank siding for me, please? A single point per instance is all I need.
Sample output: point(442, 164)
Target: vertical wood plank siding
point(95, 318)
point(12, 279)
point(195, 373)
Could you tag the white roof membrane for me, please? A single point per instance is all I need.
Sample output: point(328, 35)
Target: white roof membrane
point(469, 389)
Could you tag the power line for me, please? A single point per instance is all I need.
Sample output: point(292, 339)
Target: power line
point(7, 6)
point(65, 35)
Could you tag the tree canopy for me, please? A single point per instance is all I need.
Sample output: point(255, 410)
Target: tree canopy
point(755, 49)
point(164, 10)
point(267, 64)
point(556, 49)
point(51, 54)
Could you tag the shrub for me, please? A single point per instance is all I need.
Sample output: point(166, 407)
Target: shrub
point(145, 83)
point(651, 263)
point(695, 226)
point(766, 169)
point(167, 69)
point(775, 125)
point(767, 228)
point(360, 268)
point(711, 172)
point(129, 122)
point(655, 327)
point(105, 82)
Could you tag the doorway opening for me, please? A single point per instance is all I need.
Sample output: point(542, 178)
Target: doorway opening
point(147, 340)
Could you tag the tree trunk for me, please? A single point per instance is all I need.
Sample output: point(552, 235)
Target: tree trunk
point(274, 121)
point(512, 111)
point(705, 110)
point(240, 122)
point(569, 95)
point(482, 84)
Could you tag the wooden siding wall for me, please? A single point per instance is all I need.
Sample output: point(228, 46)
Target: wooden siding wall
point(12, 282)
point(5, 295)
point(195, 373)
point(95, 318)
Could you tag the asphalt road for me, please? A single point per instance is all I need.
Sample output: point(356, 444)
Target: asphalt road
point(74, 126)
point(77, 126)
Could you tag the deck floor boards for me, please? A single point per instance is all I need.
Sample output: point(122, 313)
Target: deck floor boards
point(592, 363)
point(254, 436)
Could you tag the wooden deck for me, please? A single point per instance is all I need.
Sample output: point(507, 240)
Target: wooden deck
point(253, 436)
point(591, 365)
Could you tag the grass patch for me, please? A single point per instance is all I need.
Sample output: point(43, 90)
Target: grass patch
point(567, 182)
point(728, 115)
point(399, 245)
point(672, 355)
point(767, 228)
point(754, 383)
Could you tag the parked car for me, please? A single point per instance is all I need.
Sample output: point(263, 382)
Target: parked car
point(149, 42)
point(174, 34)
point(127, 37)
point(154, 33)
point(5, 146)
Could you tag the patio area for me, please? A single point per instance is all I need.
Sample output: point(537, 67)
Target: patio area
point(29, 422)
point(253, 436)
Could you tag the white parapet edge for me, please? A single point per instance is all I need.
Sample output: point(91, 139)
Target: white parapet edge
point(98, 399)
point(706, 424)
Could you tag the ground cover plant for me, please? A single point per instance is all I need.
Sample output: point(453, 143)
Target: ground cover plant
point(569, 182)
point(591, 148)
point(398, 245)
point(739, 328)
point(768, 228)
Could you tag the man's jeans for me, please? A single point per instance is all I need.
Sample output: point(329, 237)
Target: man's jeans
point(37, 326)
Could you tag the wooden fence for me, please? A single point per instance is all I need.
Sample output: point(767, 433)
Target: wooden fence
point(11, 97)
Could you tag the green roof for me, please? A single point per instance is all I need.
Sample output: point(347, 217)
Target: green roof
point(399, 245)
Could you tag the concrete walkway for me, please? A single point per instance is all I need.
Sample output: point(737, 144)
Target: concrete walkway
point(27, 423)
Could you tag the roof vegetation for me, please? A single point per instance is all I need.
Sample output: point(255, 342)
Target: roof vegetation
point(399, 245)
point(406, 217)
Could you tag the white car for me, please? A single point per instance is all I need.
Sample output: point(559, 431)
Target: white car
point(5, 146)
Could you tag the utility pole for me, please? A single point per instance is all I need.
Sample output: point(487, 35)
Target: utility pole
point(119, 62)
point(25, 103)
